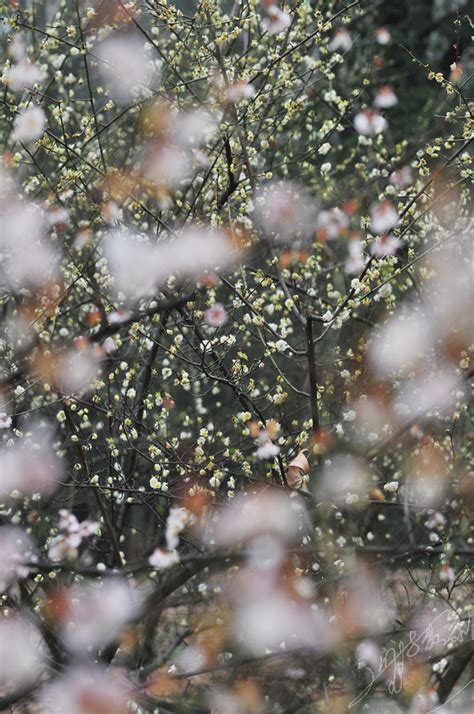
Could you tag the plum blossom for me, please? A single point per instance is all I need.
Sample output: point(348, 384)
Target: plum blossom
point(85, 690)
point(177, 521)
point(386, 98)
point(21, 653)
point(29, 125)
point(139, 267)
point(29, 259)
point(331, 224)
point(15, 552)
point(126, 66)
point(266, 448)
point(344, 475)
point(66, 544)
point(247, 517)
point(357, 260)
point(216, 315)
point(384, 217)
point(237, 91)
point(161, 558)
point(24, 75)
point(401, 178)
point(382, 35)
point(387, 245)
point(285, 211)
point(5, 421)
point(277, 20)
point(370, 123)
point(401, 344)
point(341, 41)
point(96, 613)
point(29, 465)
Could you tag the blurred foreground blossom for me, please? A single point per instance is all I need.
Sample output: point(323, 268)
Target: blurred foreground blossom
point(95, 614)
point(357, 260)
point(382, 35)
point(346, 478)
point(76, 369)
point(387, 245)
point(24, 75)
point(15, 553)
point(139, 267)
point(385, 98)
point(29, 464)
point(22, 657)
point(86, 690)
point(401, 178)
point(370, 123)
point(126, 66)
point(29, 258)
point(267, 619)
point(249, 516)
point(341, 41)
point(331, 224)
point(162, 558)
point(363, 604)
point(216, 315)
point(401, 344)
point(237, 91)
point(276, 20)
point(285, 211)
point(29, 125)
point(5, 421)
point(384, 217)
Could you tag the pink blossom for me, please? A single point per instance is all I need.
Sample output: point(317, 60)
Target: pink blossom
point(276, 21)
point(331, 224)
point(66, 544)
point(285, 211)
point(5, 421)
point(384, 216)
point(161, 558)
point(388, 245)
point(341, 41)
point(385, 98)
point(86, 690)
point(370, 123)
point(216, 315)
point(97, 613)
point(382, 35)
point(401, 178)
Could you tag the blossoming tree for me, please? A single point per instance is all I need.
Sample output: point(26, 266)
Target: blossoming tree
point(236, 344)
